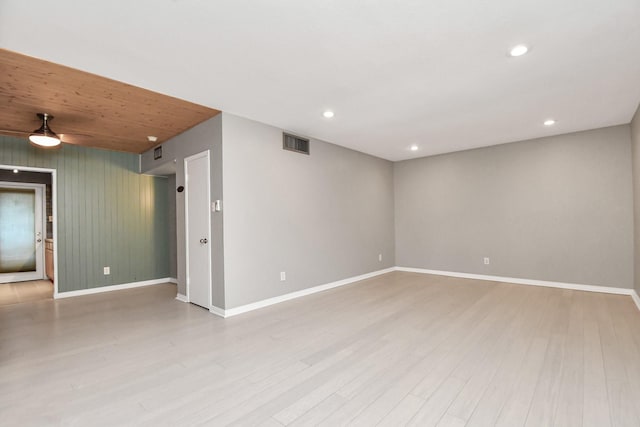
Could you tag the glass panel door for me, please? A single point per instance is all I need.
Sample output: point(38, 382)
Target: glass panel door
point(21, 227)
point(17, 230)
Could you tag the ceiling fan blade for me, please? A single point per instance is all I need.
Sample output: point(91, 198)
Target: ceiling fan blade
point(16, 132)
point(74, 138)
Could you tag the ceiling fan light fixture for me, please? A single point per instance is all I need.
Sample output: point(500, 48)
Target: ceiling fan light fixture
point(44, 141)
point(44, 136)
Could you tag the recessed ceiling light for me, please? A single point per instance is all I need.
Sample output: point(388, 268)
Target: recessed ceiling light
point(152, 138)
point(549, 122)
point(16, 171)
point(414, 147)
point(328, 114)
point(519, 50)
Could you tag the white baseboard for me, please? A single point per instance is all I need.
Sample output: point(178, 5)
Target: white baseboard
point(173, 280)
point(218, 311)
point(561, 285)
point(110, 288)
point(636, 299)
point(275, 300)
point(286, 297)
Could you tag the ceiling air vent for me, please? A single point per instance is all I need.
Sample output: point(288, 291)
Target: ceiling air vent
point(295, 143)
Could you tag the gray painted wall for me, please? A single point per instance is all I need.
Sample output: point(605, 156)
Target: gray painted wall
point(635, 143)
point(108, 214)
point(319, 218)
point(557, 208)
point(205, 136)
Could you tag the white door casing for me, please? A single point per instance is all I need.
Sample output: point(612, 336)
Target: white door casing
point(198, 228)
point(39, 227)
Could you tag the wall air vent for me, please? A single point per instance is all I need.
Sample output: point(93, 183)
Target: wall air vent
point(295, 143)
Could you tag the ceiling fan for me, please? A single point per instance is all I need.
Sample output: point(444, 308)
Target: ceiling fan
point(42, 137)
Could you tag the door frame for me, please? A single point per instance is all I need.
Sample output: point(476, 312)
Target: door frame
point(41, 188)
point(54, 213)
point(206, 155)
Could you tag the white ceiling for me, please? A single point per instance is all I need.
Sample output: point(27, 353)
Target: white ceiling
point(431, 72)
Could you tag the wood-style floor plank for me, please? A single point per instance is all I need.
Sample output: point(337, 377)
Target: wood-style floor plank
point(596, 399)
point(398, 349)
point(20, 292)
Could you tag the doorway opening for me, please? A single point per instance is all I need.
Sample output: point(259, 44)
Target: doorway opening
point(28, 234)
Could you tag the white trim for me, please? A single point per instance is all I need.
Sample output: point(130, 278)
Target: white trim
point(173, 280)
point(54, 199)
point(111, 288)
point(286, 297)
point(636, 299)
point(181, 297)
point(218, 311)
point(561, 285)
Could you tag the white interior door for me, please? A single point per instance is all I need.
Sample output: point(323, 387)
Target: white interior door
point(21, 232)
point(198, 228)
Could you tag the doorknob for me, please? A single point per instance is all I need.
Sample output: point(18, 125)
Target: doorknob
point(203, 241)
point(39, 240)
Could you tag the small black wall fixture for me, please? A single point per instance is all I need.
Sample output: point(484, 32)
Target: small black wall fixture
point(180, 189)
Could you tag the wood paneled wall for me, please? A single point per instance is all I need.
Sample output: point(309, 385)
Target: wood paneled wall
point(108, 214)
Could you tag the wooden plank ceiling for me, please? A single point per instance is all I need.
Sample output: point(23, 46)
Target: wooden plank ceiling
point(88, 110)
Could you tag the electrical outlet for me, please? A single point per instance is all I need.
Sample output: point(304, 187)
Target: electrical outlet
point(107, 271)
point(487, 261)
point(283, 276)
point(380, 257)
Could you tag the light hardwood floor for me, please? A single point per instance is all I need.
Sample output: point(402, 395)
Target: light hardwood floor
point(398, 349)
point(15, 293)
